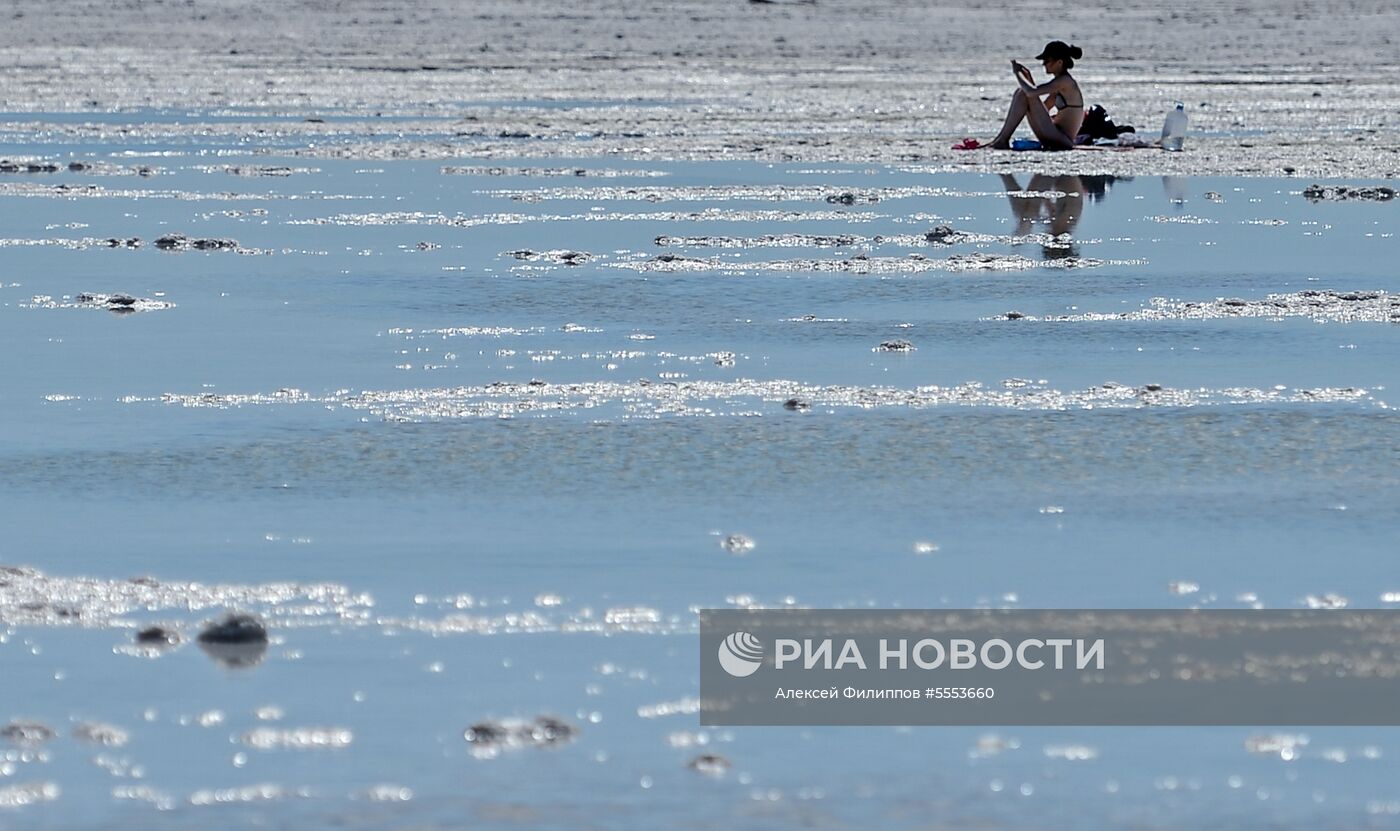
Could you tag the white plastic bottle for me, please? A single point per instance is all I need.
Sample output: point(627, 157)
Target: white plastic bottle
point(1174, 128)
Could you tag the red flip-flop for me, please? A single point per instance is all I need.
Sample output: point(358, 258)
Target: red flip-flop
point(968, 144)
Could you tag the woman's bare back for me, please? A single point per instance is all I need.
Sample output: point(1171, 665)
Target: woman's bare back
point(1069, 106)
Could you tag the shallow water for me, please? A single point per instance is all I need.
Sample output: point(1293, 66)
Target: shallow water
point(316, 407)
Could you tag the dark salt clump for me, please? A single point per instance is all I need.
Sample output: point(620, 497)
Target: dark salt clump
point(26, 732)
point(737, 544)
point(119, 303)
point(895, 346)
point(46, 610)
point(543, 731)
point(157, 636)
point(943, 235)
point(238, 641)
point(7, 166)
point(95, 732)
point(486, 733)
point(180, 242)
point(235, 629)
point(114, 299)
point(710, 764)
point(1343, 193)
point(848, 198)
point(549, 730)
point(561, 257)
point(260, 170)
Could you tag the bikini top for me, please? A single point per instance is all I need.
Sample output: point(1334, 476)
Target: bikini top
point(1061, 104)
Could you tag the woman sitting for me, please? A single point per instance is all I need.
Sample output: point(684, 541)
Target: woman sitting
point(1033, 103)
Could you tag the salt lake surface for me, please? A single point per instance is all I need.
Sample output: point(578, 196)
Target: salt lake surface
point(471, 436)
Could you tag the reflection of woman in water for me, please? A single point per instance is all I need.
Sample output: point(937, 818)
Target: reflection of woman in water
point(1060, 213)
point(1033, 103)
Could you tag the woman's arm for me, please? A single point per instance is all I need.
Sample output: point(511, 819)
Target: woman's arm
point(1022, 75)
point(1027, 82)
point(1048, 88)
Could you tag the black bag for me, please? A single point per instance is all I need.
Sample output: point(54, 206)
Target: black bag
point(1098, 126)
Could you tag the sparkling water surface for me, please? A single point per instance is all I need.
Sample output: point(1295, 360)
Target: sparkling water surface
point(316, 407)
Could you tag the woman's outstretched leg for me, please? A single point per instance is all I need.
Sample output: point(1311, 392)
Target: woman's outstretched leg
point(1050, 135)
point(1014, 116)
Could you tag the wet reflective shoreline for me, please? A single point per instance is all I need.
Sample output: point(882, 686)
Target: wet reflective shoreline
point(476, 441)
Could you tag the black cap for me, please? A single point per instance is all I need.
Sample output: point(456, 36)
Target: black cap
point(1058, 49)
